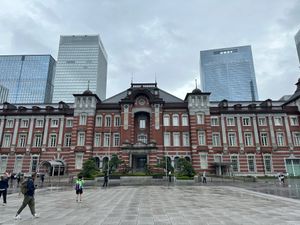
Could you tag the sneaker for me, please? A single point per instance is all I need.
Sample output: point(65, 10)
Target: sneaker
point(36, 215)
point(17, 217)
point(4, 204)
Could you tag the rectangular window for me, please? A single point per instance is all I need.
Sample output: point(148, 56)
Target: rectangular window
point(186, 139)
point(294, 121)
point(107, 121)
point(9, 123)
point(218, 158)
point(6, 141)
point(248, 139)
point(280, 139)
point(232, 139)
point(278, 121)
point(166, 120)
point(246, 121)
point(262, 121)
point(116, 140)
point(37, 140)
point(39, 123)
point(98, 121)
point(78, 161)
point(203, 161)
point(216, 139)
point(68, 138)
point(201, 137)
point(235, 163)
point(18, 164)
point(214, 121)
point(176, 139)
point(200, 118)
point(106, 140)
point(167, 139)
point(296, 137)
point(117, 121)
point(185, 120)
point(24, 123)
point(97, 141)
point(264, 139)
point(22, 140)
point(69, 123)
point(251, 163)
point(3, 163)
point(82, 119)
point(52, 140)
point(34, 163)
point(268, 163)
point(81, 139)
point(54, 122)
point(142, 124)
point(230, 121)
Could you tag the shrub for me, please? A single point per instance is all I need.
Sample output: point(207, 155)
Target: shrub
point(185, 168)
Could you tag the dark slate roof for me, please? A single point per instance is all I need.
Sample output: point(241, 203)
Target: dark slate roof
point(167, 97)
point(296, 95)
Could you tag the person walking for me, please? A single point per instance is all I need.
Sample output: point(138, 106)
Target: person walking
point(42, 179)
point(79, 188)
point(204, 177)
point(18, 179)
point(28, 189)
point(170, 176)
point(3, 188)
point(105, 180)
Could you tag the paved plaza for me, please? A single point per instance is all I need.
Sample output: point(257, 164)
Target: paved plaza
point(159, 205)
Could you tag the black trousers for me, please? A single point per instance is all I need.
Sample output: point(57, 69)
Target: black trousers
point(4, 193)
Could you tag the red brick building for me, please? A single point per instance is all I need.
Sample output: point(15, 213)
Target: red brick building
point(144, 124)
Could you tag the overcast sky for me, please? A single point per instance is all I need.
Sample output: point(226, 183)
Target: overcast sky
point(162, 37)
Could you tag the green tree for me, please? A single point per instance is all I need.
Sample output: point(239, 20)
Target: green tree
point(89, 168)
point(185, 168)
point(113, 163)
point(162, 164)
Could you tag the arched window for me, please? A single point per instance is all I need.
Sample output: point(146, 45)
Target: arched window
point(175, 120)
point(184, 120)
point(166, 120)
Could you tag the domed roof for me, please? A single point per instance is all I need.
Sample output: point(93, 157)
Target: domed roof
point(87, 92)
point(196, 91)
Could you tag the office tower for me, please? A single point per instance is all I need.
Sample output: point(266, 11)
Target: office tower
point(297, 40)
point(29, 78)
point(3, 94)
point(228, 73)
point(81, 62)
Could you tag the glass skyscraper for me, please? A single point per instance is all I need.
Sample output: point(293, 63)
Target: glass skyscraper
point(81, 62)
point(297, 40)
point(29, 78)
point(228, 73)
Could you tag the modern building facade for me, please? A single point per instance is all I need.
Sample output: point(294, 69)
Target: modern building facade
point(29, 78)
point(81, 62)
point(297, 40)
point(144, 124)
point(3, 94)
point(228, 73)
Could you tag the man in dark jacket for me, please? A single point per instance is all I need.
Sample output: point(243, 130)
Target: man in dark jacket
point(28, 198)
point(3, 188)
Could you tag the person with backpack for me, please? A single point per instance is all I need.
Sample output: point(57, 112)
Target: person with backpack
point(105, 181)
point(79, 188)
point(28, 188)
point(3, 188)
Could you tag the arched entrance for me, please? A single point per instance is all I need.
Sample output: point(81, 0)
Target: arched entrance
point(52, 168)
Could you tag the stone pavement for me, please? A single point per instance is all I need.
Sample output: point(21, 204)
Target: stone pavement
point(156, 205)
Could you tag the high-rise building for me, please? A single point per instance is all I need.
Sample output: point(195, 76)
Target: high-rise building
point(228, 73)
point(29, 78)
point(3, 94)
point(297, 40)
point(81, 62)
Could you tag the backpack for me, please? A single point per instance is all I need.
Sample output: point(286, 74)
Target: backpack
point(77, 187)
point(24, 187)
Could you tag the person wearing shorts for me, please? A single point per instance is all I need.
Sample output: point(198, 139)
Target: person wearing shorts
point(79, 188)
